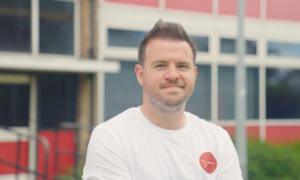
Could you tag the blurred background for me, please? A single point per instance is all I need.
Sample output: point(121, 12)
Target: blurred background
point(68, 65)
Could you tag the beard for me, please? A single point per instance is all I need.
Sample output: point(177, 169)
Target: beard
point(168, 105)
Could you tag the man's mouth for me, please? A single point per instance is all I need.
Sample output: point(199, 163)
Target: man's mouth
point(172, 87)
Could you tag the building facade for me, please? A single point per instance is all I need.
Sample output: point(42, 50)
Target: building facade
point(73, 61)
point(49, 73)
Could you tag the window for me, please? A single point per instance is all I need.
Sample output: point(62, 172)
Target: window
point(252, 93)
point(14, 104)
point(251, 47)
point(283, 49)
point(56, 27)
point(226, 93)
point(15, 22)
point(283, 93)
point(200, 101)
point(56, 99)
point(201, 43)
point(229, 46)
point(132, 39)
point(125, 38)
point(122, 90)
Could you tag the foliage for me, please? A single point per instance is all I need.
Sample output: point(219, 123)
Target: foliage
point(79, 172)
point(277, 162)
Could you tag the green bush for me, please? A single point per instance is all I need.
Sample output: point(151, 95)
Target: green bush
point(273, 162)
point(79, 172)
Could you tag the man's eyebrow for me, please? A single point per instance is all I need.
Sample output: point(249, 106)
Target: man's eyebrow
point(162, 61)
point(159, 61)
point(186, 63)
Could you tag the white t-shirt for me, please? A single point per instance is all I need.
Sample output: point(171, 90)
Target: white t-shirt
point(129, 146)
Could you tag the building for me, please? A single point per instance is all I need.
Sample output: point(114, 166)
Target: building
point(49, 73)
point(73, 61)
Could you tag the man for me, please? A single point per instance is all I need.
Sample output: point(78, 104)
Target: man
point(159, 140)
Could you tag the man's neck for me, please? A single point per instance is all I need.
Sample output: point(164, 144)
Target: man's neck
point(170, 121)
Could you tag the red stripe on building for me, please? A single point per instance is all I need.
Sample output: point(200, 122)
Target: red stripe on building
point(277, 134)
point(283, 9)
point(252, 131)
point(190, 5)
point(229, 7)
point(152, 3)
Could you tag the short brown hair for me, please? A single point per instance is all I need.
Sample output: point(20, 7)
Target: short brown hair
point(168, 31)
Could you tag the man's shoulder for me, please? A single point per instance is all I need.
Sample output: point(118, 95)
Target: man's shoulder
point(204, 125)
point(120, 121)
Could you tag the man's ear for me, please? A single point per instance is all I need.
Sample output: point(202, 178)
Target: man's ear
point(139, 71)
point(195, 71)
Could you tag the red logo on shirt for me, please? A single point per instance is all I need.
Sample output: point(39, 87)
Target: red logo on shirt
point(208, 162)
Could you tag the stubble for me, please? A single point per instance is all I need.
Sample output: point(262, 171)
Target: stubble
point(164, 104)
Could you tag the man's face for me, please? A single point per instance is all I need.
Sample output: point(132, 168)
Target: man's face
point(168, 75)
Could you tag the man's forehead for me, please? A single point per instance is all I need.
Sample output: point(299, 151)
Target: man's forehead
point(166, 41)
point(164, 47)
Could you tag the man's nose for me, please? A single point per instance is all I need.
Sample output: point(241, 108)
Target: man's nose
point(172, 73)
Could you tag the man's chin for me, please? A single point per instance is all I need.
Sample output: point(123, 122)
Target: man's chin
point(173, 103)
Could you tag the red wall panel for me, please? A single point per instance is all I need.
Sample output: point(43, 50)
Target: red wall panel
point(277, 134)
point(8, 151)
point(252, 131)
point(283, 9)
point(60, 163)
point(152, 3)
point(41, 155)
point(65, 143)
point(229, 7)
point(190, 5)
point(62, 140)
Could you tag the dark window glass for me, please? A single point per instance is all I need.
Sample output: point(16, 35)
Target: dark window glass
point(14, 104)
point(252, 93)
point(283, 93)
point(128, 38)
point(56, 27)
point(201, 43)
point(226, 93)
point(283, 49)
point(122, 90)
point(200, 101)
point(125, 38)
point(251, 47)
point(57, 99)
point(15, 25)
point(229, 46)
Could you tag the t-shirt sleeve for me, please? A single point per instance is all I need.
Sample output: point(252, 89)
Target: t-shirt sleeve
point(230, 166)
point(104, 159)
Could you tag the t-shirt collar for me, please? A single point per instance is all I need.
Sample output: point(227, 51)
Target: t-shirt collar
point(173, 133)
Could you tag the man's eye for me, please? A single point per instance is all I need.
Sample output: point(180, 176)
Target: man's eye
point(182, 66)
point(160, 65)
